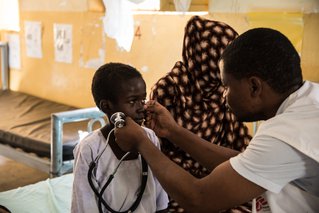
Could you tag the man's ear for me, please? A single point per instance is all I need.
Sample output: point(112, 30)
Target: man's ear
point(255, 86)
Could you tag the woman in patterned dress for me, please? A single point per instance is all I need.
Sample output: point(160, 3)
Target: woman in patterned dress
point(193, 93)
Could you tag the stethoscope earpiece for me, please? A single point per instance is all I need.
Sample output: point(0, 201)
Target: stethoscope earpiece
point(118, 119)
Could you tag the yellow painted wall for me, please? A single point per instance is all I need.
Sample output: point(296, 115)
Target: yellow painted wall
point(154, 53)
point(310, 47)
point(307, 41)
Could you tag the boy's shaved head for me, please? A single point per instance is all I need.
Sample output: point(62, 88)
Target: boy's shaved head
point(108, 79)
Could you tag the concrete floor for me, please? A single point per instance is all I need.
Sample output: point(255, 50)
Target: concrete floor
point(14, 174)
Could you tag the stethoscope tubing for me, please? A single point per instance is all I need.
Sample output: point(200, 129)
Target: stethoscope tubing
point(110, 178)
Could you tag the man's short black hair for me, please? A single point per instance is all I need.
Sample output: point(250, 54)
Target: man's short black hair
point(108, 79)
point(265, 53)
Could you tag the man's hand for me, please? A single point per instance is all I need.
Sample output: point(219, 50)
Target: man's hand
point(159, 119)
point(130, 136)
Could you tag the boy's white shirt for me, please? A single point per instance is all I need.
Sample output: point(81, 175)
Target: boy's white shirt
point(122, 191)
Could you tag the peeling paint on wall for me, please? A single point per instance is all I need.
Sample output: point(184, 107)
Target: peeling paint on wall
point(144, 68)
point(96, 62)
point(93, 63)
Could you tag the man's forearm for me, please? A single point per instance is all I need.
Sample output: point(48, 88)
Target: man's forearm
point(199, 195)
point(176, 181)
point(206, 153)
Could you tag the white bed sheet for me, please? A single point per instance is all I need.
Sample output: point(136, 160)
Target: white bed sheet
point(51, 195)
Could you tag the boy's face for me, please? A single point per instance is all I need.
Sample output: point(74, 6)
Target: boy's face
point(131, 100)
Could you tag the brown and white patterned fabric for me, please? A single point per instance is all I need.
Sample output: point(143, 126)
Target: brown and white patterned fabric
point(192, 91)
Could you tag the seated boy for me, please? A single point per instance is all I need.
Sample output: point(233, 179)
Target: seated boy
point(116, 87)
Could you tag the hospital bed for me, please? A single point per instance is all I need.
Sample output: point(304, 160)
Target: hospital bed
point(39, 132)
point(50, 196)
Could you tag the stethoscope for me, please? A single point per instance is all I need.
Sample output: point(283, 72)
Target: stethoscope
point(117, 119)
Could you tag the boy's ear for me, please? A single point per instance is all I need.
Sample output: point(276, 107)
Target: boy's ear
point(105, 105)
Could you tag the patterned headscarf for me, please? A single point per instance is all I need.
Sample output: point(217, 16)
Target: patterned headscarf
point(193, 93)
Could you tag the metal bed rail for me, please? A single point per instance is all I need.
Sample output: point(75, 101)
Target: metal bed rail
point(58, 167)
point(4, 65)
